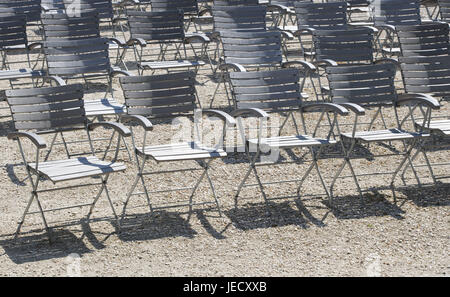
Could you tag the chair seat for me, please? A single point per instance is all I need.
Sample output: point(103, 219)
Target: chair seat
point(171, 64)
point(64, 170)
point(103, 107)
point(291, 141)
point(442, 126)
point(181, 151)
point(384, 135)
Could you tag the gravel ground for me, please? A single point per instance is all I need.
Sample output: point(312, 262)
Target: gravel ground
point(376, 235)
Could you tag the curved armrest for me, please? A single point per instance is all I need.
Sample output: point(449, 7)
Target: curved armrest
point(233, 66)
point(327, 107)
point(205, 11)
point(278, 7)
point(304, 31)
point(387, 60)
point(374, 30)
point(286, 34)
point(308, 66)
point(34, 45)
point(59, 81)
point(38, 141)
point(115, 72)
point(325, 63)
point(221, 114)
point(117, 41)
point(196, 37)
point(136, 41)
point(418, 99)
point(386, 27)
point(256, 112)
point(141, 120)
point(355, 108)
point(124, 131)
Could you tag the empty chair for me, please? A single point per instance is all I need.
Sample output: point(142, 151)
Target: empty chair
point(387, 15)
point(30, 8)
point(162, 98)
point(85, 59)
point(424, 40)
point(45, 111)
point(165, 30)
point(372, 86)
point(258, 94)
point(245, 51)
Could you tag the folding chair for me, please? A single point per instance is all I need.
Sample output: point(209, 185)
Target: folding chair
point(41, 111)
point(373, 86)
point(192, 13)
point(14, 40)
point(351, 46)
point(85, 59)
point(61, 26)
point(429, 76)
point(424, 40)
point(166, 97)
point(387, 15)
point(243, 51)
point(156, 35)
point(255, 94)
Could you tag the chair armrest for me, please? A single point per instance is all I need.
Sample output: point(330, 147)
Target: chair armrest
point(385, 27)
point(278, 7)
point(196, 37)
point(233, 66)
point(286, 34)
point(417, 99)
point(59, 81)
point(324, 63)
point(141, 120)
point(327, 107)
point(304, 31)
point(136, 41)
point(114, 72)
point(120, 43)
point(221, 114)
point(306, 65)
point(355, 108)
point(124, 131)
point(256, 112)
point(387, 60)
point(38, 141)
point(34, 45)
point(205, 11)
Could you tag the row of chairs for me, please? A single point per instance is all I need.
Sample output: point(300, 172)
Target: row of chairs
point(350, 87)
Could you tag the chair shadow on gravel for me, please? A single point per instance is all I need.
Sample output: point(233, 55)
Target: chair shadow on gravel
point(373, 204)
point(428, 195)
point(261, 215)
point(162, 224)
point(35, 248)
point(5, 128)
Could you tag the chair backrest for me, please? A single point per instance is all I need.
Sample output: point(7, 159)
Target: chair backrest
point(235, 2)
point(353, 45)
point(242, 18)
point(189, 7)
point(252, 48)
point(13, 31)
point(160, 96)
point(363, 84)
point(444, 10)
point(332, 15)
point(63, 26)
point(397, 12)
point(30, 8)
point(272, 91)
point(163, 26)
point(104, 8)
point(68, 58)
point(47, 109)
point(426, 74)
point(424, 40)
